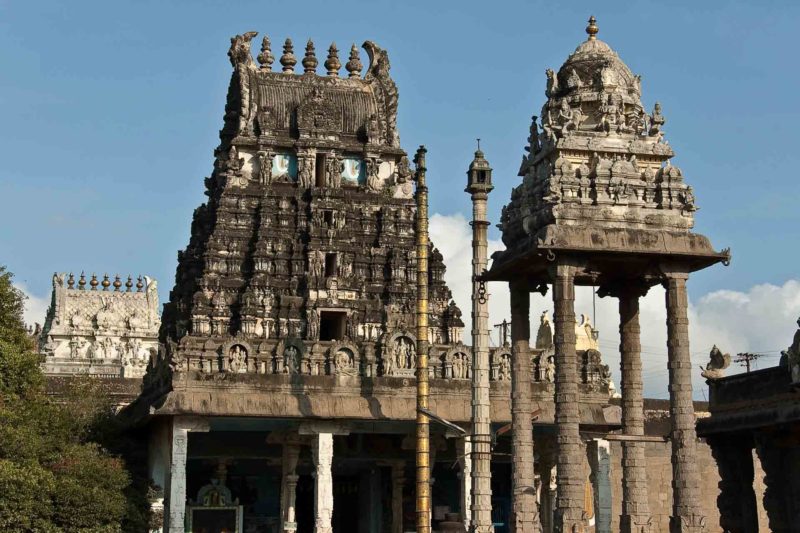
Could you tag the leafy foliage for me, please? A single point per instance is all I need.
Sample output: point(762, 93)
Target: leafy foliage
point(53, 479)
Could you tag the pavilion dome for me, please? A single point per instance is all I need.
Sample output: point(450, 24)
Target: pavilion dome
point(592, 76)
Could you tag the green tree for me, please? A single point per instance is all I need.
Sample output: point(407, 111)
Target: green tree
point(53, 479)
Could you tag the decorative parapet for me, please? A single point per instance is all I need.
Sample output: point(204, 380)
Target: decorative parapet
point(100, 327)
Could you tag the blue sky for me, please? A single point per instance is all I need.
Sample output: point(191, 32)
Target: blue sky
point(111, 111)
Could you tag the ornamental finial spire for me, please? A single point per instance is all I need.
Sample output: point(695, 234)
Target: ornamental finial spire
point(592, 28)
point(332, 64)
point(354, 66)
point(310, 61)
point(265, 58)
point(287, 59)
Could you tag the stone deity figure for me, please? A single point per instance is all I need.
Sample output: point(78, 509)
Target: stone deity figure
point(657, 121)
point(305, 172)
point(264, 168)
point(552, 83)
point(237, 359)
point(550, 369)
point(566, 117)
point(687, 197)
point(313, 324)
point(373, 181)
point(504, 369)
point(334, 171)
point(290, 360)
point(533, 137)
point(234, 161)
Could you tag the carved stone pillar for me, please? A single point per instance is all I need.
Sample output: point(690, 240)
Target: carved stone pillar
point(322, 453)
point(291, 452)
point(686, 514)
point(569, 448)
point(547, 488)
point(176, 492)
point(524, 512)
point(635, 508)
point(398, 481)
point(736, 500)
point(599, 451)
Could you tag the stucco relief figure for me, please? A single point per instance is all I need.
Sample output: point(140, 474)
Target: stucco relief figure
point(237, 359)
point(687, 197)
point(460, 370)
point(552, 83)
point(264, 168)
point(305, 172)
point(717, 364)
point(403, 172)
point(313, 324)
point(373, 181)
point(316, 260)
point(136, 321)
point(550, 369)
point(106, 316)
point(77, 320)
point(404, 354)
point(657, 121)
point(291, 360)
point(344, 362)
point(567, 118)
point(504, 371)
point(73, 348)
point(574, 80)
point(334, 171)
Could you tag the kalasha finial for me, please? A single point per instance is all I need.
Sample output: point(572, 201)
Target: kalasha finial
point(71, 281)
point(592, 28)
point(310, 60)
point(106, 283)
point(354, 66)
point(139, 284)
point(82, 281)
point(94, 283)
point(117, 283)
point(287, 59)
point(332, 64)
point(128, 284)
point(265, 58)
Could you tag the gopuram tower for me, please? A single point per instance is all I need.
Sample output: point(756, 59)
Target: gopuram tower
point(601, 205)
point(293, 311)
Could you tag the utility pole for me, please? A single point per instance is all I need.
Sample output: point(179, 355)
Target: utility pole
point(744, 359)
point(479, 185)
point(503, 328)
point(423, 505)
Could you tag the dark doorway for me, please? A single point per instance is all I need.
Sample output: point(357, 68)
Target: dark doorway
point(319, 169)
point(330, 265)
point(332, 325)
point(346, 512)
point(304, 504)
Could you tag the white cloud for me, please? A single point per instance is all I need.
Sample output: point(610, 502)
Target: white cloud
point(35, 307)
point(761, 320)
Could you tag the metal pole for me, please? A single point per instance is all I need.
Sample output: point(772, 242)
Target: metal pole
point(423, 505)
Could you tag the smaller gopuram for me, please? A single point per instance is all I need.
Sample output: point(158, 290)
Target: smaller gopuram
point(601, 205)
point(100, 327)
